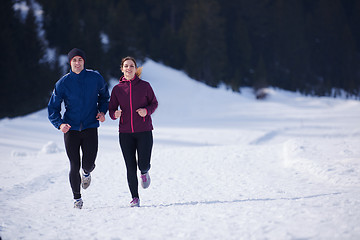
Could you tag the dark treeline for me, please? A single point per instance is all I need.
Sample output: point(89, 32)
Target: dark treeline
point(310, 46)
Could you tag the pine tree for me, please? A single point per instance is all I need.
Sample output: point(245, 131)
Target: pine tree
point(239, 45)
point(8, 58)
point(260, 78)
point(32, 87)
point(119, 30)
point(26, 86)
point(291, 52)
point(165, 43)
point(203, 29)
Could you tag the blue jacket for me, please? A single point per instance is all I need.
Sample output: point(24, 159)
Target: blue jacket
point(84, 95)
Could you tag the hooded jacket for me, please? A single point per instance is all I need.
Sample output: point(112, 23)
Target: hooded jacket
point(130, 96)
point(84, 95)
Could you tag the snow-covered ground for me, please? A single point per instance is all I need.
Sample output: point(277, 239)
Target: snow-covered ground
point(224, 166)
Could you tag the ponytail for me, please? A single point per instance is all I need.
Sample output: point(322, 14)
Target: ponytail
point(139, 71)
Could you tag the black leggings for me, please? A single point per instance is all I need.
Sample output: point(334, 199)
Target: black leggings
point(87, 140)
point(131, 143)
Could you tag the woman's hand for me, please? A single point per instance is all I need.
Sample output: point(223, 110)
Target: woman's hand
point(117, 113)
point(142, 112)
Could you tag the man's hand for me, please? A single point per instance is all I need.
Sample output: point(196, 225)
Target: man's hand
point(100, 117)
point(65, 127)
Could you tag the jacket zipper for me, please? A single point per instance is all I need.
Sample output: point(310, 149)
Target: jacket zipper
point(131, 110)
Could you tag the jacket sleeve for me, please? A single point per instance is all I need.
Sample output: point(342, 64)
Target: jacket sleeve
point(113, 104)
point(103, 96)
point(54, 108)
point(153, 103)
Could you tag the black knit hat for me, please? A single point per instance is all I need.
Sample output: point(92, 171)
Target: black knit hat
point(76, 52)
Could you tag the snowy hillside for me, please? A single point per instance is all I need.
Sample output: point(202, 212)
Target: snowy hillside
point(224, 166)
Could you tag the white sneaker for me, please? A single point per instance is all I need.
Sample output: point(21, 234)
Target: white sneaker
point(85, 180)
point(145, 180)
point(78, 203)
point(135, 202)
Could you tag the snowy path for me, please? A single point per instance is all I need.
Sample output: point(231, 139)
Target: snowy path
point(286, 168)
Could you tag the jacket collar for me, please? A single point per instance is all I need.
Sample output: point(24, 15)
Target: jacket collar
point(123, 79)
point(77, 75)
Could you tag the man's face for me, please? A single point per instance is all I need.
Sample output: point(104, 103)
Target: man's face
point(77, 64)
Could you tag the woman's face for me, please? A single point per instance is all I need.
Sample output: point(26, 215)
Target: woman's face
point(129, 69)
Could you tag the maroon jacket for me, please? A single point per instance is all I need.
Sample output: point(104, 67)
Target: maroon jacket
point(130, 96)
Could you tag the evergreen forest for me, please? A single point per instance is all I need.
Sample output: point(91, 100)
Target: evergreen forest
point(308, 46)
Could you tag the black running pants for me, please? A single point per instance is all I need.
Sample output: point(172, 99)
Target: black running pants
point(132, 143)
point(87, 141)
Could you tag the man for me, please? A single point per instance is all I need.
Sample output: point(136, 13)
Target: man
point(86, 98)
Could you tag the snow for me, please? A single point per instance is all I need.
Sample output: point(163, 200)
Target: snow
point(23, 8)
point(224, 166)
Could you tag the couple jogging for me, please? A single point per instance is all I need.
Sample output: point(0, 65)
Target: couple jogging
point(86, 98)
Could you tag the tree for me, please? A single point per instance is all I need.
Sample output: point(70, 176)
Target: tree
point(239, 45)
point(291, 66)
point(203, 29)
point(25, 78)
point(8, 57)
point(120, 31)
point(165, 43)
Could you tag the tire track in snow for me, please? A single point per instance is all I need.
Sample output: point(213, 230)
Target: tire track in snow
point(243, 200)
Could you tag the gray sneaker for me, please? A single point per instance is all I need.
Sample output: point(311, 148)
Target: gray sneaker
point(85, 180)
point(145, 180)
point(135, 202)
point(78, 203)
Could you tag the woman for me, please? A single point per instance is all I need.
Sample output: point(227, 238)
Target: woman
point(137, 102)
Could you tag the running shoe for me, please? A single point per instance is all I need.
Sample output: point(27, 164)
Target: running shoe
point(135, 202)
point(145, 180)
point(85, 180)
point(78, 203)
